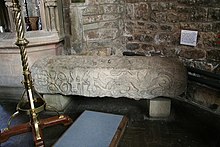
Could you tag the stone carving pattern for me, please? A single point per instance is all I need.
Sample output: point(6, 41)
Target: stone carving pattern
point(113, 82)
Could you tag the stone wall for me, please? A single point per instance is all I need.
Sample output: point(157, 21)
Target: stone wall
point(151, 28)
point(148, 27)
point(97, 27)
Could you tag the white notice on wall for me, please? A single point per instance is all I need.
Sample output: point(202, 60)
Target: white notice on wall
point(188, 37)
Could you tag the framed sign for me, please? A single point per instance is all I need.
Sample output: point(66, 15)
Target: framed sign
point(188, 37)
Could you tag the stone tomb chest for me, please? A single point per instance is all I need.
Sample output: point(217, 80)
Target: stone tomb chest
point(133, 77)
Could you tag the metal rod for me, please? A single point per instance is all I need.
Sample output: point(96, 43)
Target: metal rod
point(204, 73)
point(204, 77)
point(34, 125)
point(22, 42)
point(208, 82)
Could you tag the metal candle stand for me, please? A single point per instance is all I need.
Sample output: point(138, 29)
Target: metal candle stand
point(32, 106)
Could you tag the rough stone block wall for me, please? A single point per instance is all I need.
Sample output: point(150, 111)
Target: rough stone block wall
point(150, 28)
point(97, 26)
point(154, 26)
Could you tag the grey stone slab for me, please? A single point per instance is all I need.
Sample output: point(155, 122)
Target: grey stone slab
point(112, 76)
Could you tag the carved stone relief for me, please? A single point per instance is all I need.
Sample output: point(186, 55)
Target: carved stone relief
point(132, 77)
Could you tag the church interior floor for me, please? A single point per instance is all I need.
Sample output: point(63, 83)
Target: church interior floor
point(187, 126)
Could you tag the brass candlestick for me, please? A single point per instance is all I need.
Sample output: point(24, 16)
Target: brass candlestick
point(32, 106)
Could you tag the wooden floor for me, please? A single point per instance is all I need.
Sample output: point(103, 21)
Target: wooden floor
point(188, 126)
